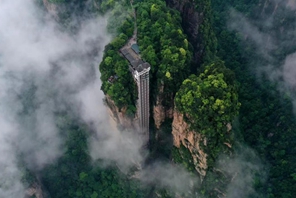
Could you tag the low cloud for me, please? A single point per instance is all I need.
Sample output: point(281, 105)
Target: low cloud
point(44, 71)
point(291, 4)
point(10, 182)
point(248, 30)
point(273, 35)
point(242, 168)
point(121, 148)
point(274, 41)
point(168, 176)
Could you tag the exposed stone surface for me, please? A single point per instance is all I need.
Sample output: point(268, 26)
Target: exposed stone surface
point(191, 140)
point(51, 8)
point(36, 190)
point(191, 21)
point(119, 115)
point(160, 113)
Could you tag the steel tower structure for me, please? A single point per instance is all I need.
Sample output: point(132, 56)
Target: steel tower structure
point(140, 71)
point(141, 75)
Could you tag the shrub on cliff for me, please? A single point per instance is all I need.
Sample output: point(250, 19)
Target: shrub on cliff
point(209, 102)
point(164, 45)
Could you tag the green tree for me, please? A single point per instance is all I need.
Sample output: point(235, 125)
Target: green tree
point(210, 102)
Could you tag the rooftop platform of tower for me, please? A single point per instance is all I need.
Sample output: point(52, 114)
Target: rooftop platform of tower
point(129, 54)
point(136, 48)
point(141, 67)
point(137, 64)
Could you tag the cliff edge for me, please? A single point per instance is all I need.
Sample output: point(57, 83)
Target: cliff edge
point(191, 140)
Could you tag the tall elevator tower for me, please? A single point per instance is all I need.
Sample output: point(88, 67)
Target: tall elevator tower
point(140, 71)
point(141, 75)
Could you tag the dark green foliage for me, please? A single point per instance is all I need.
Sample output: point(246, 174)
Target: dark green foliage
point(213, 181)
point(164, 45)
point(183, 156)
point(164, 194)
point(266, 122)
point(207, 41)
point(166, 49)
point(110, 5)
point(161, 141)
point(74, 176)
point(266, 119)
point(72, 13)
point(123, 90)
point(210, 102)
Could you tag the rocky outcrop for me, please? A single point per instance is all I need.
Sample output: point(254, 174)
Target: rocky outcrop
point(160, 112)
point(191, 140)
point(51, 8)
point(191, 20)
point(34, 190)
point(120, 116)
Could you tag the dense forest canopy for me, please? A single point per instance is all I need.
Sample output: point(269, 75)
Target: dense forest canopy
point(210, 102)
point(266, 117)
point(166, 49)
point(163, 44)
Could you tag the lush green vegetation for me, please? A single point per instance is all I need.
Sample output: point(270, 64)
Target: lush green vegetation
point(75, 176)
point(210, 102)
point(210, 98)
point(163, 45)
point(166, 49)
point(183, 156)
point(267, 122)
point(122, 90)
point(207, 41)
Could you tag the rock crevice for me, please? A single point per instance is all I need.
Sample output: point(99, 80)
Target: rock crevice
point(51, 8)
point(191, 21)
point(160, 112)
point(119, 115)
point(192, 140)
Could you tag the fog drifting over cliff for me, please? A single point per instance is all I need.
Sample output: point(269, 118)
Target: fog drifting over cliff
point(43, 71)
point(274, 41)
point(272, 38)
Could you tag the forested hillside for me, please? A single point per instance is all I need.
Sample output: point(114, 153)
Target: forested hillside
point(266, 117)
point(75, 176)
point(216, 73)
point(208, 102)
point(162, 44)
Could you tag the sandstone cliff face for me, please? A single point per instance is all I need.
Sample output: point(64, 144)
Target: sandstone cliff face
point(51, 8)
point(160, 113)
point(191, 140)
point(191, 21)
point(119, 115)
point(34, 190)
